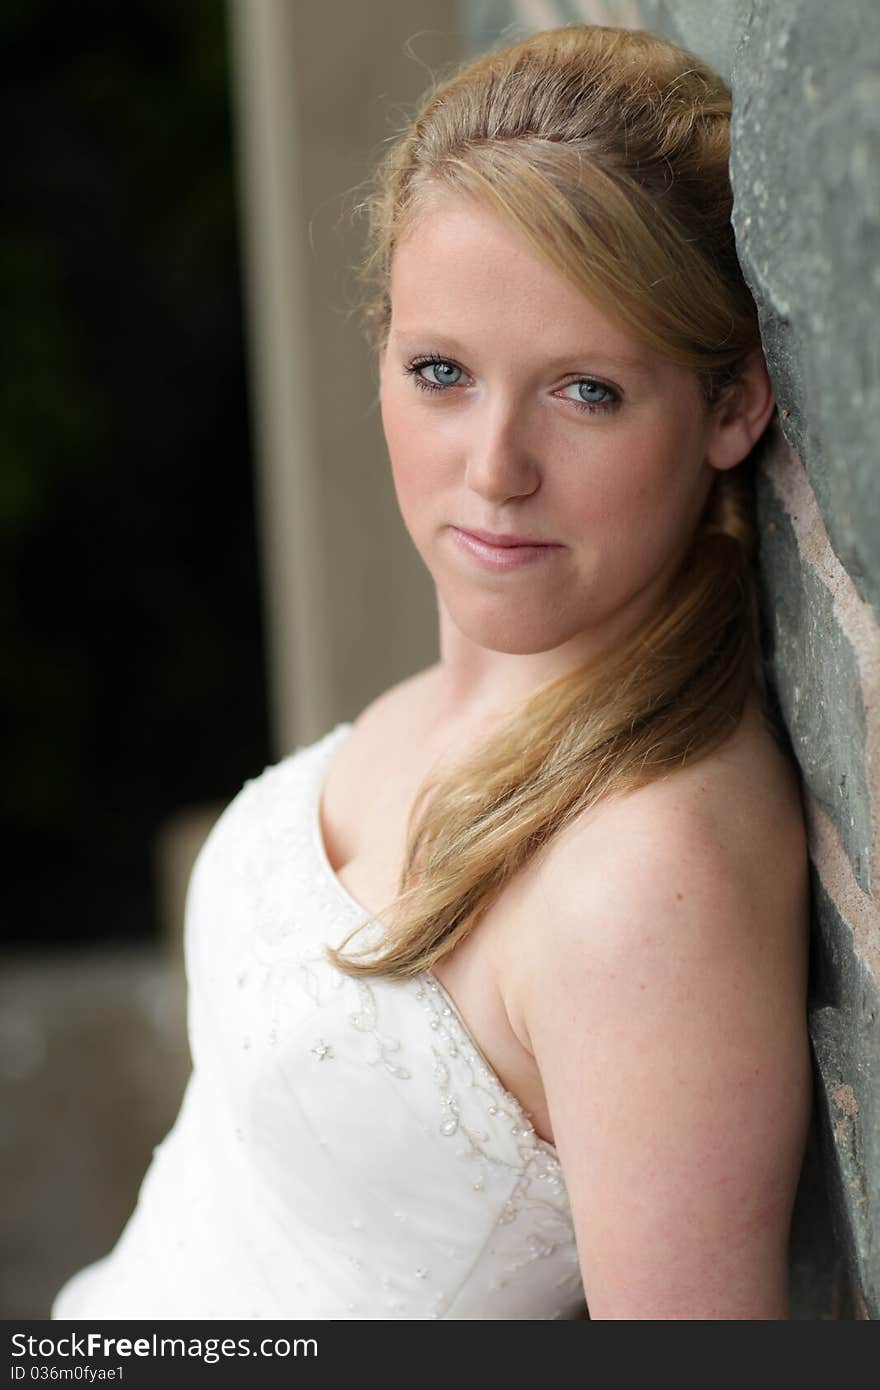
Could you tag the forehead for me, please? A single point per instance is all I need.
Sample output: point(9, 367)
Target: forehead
point(460, 272)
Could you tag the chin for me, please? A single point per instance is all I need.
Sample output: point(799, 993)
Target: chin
point(511, 632)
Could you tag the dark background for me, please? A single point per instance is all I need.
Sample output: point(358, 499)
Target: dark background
point(132, 648)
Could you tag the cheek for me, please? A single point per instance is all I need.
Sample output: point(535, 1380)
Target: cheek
point(650, 475)
point(610, 489)
point(411, 473)
point(422, 458)
point(411, 491)
point(634, 503)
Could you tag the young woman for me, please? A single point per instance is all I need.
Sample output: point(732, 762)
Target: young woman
point(497, 996)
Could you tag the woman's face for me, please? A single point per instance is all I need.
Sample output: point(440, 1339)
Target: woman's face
point(512, 406)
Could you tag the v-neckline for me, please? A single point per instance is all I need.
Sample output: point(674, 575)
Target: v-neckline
point(327, 747)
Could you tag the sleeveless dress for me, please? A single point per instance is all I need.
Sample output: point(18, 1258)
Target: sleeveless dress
point(343, 1150)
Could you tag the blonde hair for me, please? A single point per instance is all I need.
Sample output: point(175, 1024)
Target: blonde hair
point(607, 150)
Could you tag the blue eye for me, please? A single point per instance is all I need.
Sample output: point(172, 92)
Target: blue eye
point(610, 401)
point(414, 369)
point(590, 385)
point(444, 368)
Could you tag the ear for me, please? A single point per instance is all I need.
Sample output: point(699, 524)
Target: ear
point(739, 418)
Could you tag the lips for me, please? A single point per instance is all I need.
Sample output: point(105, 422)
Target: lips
point(504, 551)
point(503, 540)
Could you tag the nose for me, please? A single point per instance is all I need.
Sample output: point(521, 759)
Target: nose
point(500, 463)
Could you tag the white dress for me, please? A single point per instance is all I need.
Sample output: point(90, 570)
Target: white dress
point(343, 1150)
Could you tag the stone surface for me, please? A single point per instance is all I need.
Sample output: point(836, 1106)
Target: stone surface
point(843, 1026)
point(806, 176)
point(817, 677)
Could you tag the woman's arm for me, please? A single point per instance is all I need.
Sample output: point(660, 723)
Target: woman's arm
point(666, 1013)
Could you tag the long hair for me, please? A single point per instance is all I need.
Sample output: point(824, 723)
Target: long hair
point(607, 150)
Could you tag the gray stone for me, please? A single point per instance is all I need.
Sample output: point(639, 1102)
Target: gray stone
point(816, 675)
point(806, 175)
point(805, 168)
point(843, 1028)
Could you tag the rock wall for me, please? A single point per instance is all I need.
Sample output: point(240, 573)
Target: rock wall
point(806, 177)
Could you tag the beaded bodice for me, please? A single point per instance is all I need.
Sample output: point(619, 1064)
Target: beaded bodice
point(343, 1149)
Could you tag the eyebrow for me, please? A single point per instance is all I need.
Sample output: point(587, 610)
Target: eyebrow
point(595, 355)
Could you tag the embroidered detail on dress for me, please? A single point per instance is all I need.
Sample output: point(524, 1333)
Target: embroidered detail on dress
point(538, 1247)
point(537, 1200)
point(366, 1020)
point(455, 1042)
point(321, 1050)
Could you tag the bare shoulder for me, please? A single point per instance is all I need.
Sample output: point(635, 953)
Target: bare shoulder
point(719, 845)
point(697, 882)
point(665, 1010)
